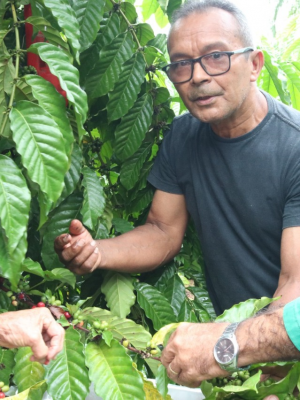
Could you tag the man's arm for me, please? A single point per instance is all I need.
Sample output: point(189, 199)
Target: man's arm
point(289, 279)
point(142, 249)
point(189, 358)
point(34, 328)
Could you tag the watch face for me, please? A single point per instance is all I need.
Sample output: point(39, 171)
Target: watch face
point(225, 350)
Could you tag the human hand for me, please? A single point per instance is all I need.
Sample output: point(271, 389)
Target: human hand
point(77, 250)
point(34, 328)
point(189, 358)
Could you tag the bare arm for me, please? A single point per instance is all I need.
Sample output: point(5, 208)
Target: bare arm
point(289, 279)
point(142, 249)
point(34, 328)
point(189, 358)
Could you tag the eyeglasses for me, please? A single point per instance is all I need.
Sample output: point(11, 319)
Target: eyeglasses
point(216, 63)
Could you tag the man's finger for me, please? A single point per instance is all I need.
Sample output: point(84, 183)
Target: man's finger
point(39, 350)
point(76, 228)
point(62, 241)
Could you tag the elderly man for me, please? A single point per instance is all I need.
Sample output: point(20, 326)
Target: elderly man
point(34, 328)
point(231, 163)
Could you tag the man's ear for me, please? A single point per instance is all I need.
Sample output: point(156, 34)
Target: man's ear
point(257, 62)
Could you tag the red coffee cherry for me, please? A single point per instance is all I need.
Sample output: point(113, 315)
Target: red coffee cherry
point(41, 304)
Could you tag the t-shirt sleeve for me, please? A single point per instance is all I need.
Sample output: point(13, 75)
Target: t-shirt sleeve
point(291, 319)
point(291, 213)
point(163, 173)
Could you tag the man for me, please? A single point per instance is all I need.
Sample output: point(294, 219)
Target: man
point(271, 336)
point(232, 163)
point(34, 328)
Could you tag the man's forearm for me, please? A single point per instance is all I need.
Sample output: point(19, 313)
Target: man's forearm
point(140, 250)
point(264, 339)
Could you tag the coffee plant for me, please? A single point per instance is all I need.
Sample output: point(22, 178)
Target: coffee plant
point(83, 109)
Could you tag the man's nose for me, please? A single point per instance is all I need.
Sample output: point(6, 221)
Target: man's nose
point(199, 75)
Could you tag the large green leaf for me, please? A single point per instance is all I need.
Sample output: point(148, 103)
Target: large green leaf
point(43, 91)
point(292, 71)
point(243, 310)
point(144, 33)
point(35, 392)
point(7, 363)
point(59, 223)
point(51, 34)
point(109, 31)
point(118, 290)
point(89, 13)
point(142, 201)
point(273, 76)
point(149, 7)
point(67, 376)
point(120, 327)
point(175, 292)
point(162, 381)
point(68, 76)
point(6, 81)
point(126, 90)
point(41, 145)
point(203, 301)
point(62, 275)
point(131, 168)
point(26, 372)
point(94, 201)
point(186, 313)
point(73, 175)
point(133, 127)
point(33, 267)
point(23, 91)
point(155, 305)
point(67, 20)
point(106, 71)
point(14, 205)
point(111, 370)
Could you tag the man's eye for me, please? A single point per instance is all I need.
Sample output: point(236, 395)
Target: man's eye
point(217, 56)
point(181, 64)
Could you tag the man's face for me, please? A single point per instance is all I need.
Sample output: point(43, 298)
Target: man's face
point(212, 99)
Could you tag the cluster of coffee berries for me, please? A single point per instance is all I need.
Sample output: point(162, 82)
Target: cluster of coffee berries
point(27, 70)
point(236, 379)
point(3, 389)
point(290, 396)
point(95, 145)
point(267, 382)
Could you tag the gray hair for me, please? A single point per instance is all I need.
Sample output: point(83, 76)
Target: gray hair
point(200, 6)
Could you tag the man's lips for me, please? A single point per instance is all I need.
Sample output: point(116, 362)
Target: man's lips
point(202, 97)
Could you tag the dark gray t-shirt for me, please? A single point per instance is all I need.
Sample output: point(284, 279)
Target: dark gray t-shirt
point(240, 193)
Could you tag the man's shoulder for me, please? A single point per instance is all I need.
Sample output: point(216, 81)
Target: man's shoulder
point(185, 123)
point(286, 115)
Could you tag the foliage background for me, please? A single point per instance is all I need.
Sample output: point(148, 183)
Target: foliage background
point(88, 158)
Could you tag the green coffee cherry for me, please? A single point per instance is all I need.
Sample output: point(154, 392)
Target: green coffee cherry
point(44, 299)
point(125, 343)
point(153, 352)
point(5, 388)
point(9, 294)
point(2, 384)
point(96, 325)
point(57, 303)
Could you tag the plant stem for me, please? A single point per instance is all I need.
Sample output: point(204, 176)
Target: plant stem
point(18, 47)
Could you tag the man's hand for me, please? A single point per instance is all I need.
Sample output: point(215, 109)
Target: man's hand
point(34, 328)
point(77, 250)
point(189, 358)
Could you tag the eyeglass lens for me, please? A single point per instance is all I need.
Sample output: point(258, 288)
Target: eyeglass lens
point(213, 64)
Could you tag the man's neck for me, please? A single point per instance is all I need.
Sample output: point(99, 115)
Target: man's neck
point(252, 112)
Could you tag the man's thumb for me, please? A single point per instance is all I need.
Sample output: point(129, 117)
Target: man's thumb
point(76, 227)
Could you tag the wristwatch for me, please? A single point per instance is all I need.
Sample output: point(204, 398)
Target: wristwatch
point(226, 350)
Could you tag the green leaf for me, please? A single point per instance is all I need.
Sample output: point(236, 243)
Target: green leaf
point(162, 381)
point(14, 204)
point(67, 376)
point(67, 20)
point(33, 267)
point(35, 392)
point(61, 274)
point(105, 73)
point(133, 127)
point(43, 91)
point(144, 33)
point(130, 13)
point(118, 290)
point(7, 363)
point(161, 95)
point(94, 201)
point(68, 76)
point(89, 13)
point(58, 224)
point(245, 309)
point(73, 175)
point(161, 19)
point(186, 313)
point(203, 301)
point(127, 88)
point(120, 327)
point(273, 76)
point(142, 201)
point(5, 301)
point(6, 80)
point(149, 7)
point(111, 370)
point(109, 31)
point(175, 292)
point(121, 225)
point(23, 91)
point(107, 336)
point(155, 305)
point(41, 146)
point(26, 372)
point(131, 168)
point(292, 71)
point(51, 34)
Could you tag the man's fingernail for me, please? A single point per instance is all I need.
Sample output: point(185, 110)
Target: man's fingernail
point(93, 243)
point(66, 238)
point(80, 243)
point(46, 362)
point(96, 251)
